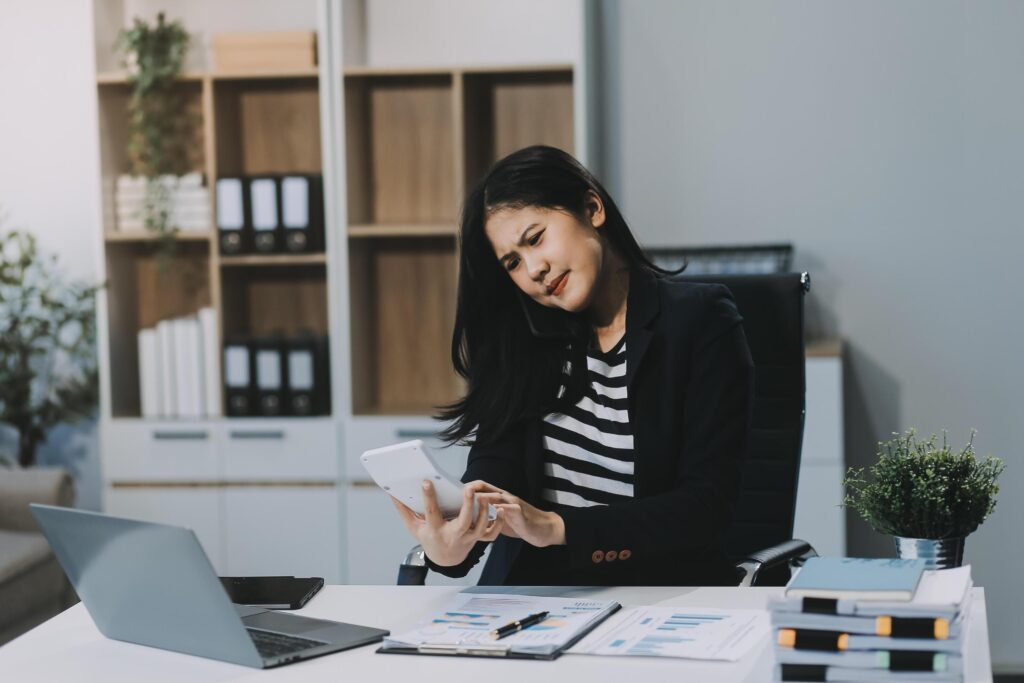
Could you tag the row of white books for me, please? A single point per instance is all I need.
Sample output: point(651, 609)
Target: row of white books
point(179, 367)
point(918, 637)
point(188, 201)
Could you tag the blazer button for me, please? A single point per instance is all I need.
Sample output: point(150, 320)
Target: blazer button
point(610, 556)
point(625, 554)
point(598, 556)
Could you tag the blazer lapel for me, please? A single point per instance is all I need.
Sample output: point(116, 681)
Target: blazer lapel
point(642, 307)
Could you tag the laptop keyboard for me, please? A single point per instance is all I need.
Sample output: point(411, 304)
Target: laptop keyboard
point(270, 644)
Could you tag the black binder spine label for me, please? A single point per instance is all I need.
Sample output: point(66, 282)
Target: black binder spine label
point(908, 627)
point(817, 640)
point(820, 605)
point(804, 672)
point(908, 660)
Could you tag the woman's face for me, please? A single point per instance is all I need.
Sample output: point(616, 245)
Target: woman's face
point(550, 254)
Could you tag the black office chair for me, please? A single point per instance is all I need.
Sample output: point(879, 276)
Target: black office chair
point(761, 538)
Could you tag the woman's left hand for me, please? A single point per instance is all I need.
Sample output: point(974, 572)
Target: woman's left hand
point(522, 520)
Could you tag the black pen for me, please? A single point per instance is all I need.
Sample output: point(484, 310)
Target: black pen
point(516, 626)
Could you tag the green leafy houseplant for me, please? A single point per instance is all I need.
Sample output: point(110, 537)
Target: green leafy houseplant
point(919, 489)
point(47, 344)
point(160, 127)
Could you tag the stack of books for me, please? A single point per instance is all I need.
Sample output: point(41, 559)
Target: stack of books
point(179, 368)
point(851, 619)
point(187, 201)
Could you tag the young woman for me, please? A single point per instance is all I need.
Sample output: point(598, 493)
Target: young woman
point(609, 406)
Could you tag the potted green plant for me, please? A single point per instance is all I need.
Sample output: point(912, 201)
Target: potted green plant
point(160, 127)
point(47, 344)
point(928, 497)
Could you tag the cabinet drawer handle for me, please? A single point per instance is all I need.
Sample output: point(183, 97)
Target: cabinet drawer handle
point(415, 434)
point(271, 434)
point(171, 436)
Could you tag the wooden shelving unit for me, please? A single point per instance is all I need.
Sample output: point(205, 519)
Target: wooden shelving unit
point(262, 122)
point(415, 140)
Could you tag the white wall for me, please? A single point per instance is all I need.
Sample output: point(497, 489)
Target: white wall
point(886, 141)
point(48, 162)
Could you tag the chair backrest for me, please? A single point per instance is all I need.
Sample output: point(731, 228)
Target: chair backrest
point(772, 307)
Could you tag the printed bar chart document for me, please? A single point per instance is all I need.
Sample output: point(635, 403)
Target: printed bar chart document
point(713, 634)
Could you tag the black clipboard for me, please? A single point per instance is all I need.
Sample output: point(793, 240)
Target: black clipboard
point(494, 651)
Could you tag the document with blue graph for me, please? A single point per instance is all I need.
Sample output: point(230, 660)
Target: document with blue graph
point(466, 624)
point(695, 633)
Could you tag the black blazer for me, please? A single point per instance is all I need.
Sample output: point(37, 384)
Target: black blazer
point(690, 385)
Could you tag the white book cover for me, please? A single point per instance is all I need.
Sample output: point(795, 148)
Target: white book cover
point(196, 347)
point(185, 364)
point(148, 373)
point(211, 361)
point(179, 212)
point(190, 198)
point(168, 374)
point(193, 224)
point(158, 371)
point(172, 182)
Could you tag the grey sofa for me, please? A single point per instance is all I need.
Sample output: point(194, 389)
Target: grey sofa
point(33, 587)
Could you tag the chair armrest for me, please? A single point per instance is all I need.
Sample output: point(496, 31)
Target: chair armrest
point(19, 487)
point(793, 551)
point(413, 570)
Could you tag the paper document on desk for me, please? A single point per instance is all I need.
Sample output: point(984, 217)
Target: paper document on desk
point(691, 633)
point(469, 619)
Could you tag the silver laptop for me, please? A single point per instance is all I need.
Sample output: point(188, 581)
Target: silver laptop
point(152, 584)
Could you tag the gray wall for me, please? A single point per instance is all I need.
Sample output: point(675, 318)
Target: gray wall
point(886, 141)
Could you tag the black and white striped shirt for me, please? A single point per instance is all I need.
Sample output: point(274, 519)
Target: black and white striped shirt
point(588, 452)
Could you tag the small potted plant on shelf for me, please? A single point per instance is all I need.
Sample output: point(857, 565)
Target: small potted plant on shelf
point(47, 345)
point(928, 497)
point(160, 127)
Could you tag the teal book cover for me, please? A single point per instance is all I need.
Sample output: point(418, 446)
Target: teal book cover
point(856, 578)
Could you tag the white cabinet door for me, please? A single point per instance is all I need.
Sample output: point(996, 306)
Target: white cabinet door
point(378, 541)
point(293, 449)
point(148, 450)
point(823, 426)
point(197, 508)
point(290, 530)
point(819, 519)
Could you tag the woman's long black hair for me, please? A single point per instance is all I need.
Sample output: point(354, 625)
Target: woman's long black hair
point(514, 373)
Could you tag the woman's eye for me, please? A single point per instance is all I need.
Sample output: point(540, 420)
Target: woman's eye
point(511, 264)
point(536, 238)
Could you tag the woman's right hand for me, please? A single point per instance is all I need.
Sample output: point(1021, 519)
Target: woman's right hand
point(447, 543)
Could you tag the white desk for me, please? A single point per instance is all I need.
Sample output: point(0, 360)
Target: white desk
point(69, 648)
